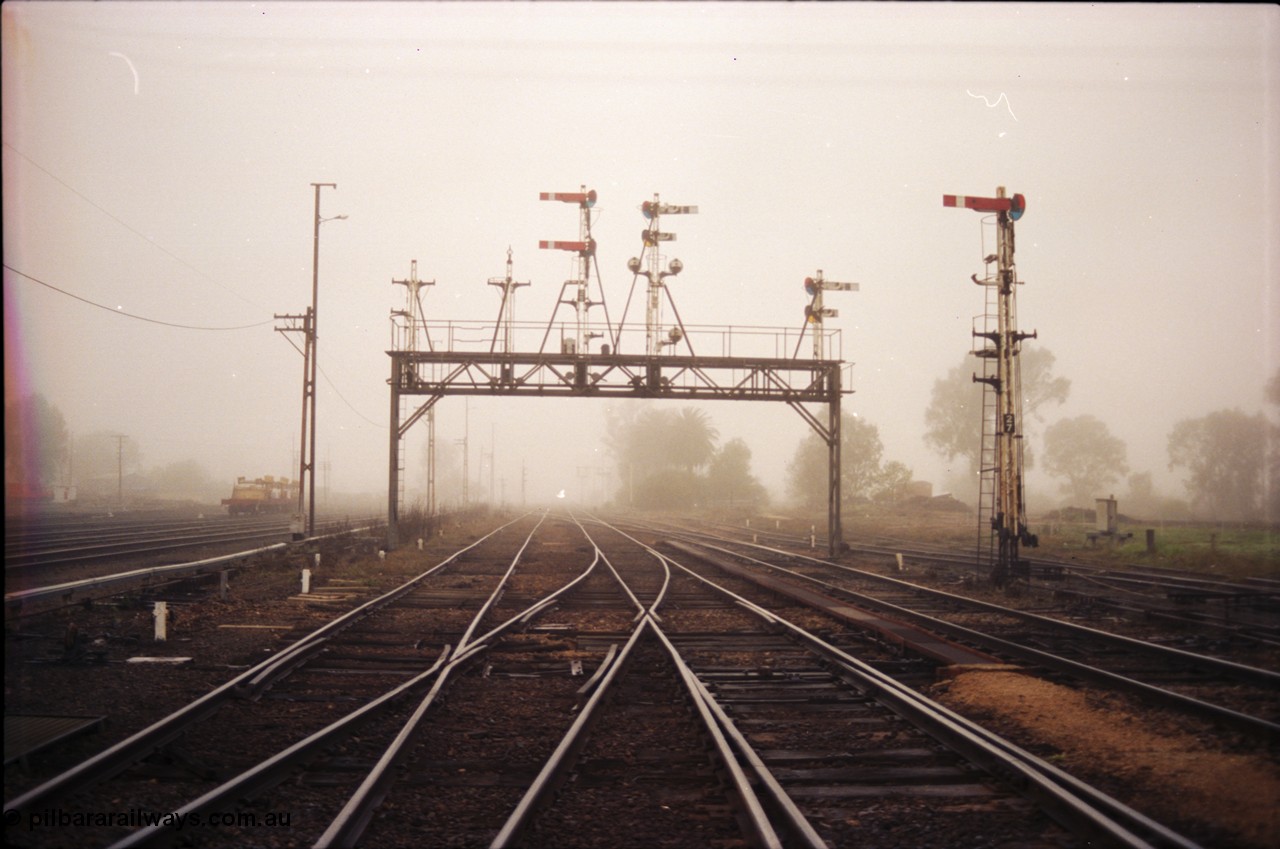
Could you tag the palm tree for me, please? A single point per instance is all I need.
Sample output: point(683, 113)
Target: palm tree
point(692, 441)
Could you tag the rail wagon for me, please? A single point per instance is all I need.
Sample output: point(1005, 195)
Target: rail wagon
point(262, 495)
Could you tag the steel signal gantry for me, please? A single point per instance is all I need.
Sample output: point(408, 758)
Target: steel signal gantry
point(815, 312)
point(1001, 466)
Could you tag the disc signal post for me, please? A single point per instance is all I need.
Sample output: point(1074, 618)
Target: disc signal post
point(412, 314)
point(506, 309)
point(585, 248)
point(815, 312)
point(651, 237)
point(1001, 464)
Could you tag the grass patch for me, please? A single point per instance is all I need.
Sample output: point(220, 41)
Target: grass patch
point(1217, 549)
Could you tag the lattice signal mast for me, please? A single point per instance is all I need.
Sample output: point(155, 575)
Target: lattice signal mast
point(585, 248)
point(815, 312)
point(1001, 487)
point(412, 318)
point(651, 237)
point(507, 309)
point(412, 315)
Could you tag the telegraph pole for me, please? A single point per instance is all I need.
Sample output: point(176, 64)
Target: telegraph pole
point(120, 438)
point(311, 340)
point(300, 324)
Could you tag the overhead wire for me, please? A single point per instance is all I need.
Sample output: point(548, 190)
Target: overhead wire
point(168, 253)
point(123, 313)
point(124, 224)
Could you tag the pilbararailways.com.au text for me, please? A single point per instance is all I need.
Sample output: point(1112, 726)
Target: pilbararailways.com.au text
point(140, 818)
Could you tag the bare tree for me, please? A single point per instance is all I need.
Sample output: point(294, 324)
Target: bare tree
point(1225, 456)
point(729, 476)
point(953, 419)
point(1083, 451)
point(860, 453)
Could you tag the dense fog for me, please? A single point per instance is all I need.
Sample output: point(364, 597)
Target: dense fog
point(159, 212)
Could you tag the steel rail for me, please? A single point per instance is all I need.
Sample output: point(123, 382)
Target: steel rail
point(1078, 806)
point(1153, 576)
point(48, 558)
point(353, 819)
point(273, 770)
point(267, 772)
point(22, 541)
point(723, 730)
point(554, 772)
point(1238, 671)
point(500, 588)
point(797, 826)
point(195, 567)
point(1087, 672)
point(761, 830)
point(134, 748)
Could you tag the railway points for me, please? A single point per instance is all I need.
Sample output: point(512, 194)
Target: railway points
point(483, 658)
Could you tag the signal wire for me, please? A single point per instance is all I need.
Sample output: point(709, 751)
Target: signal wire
point(121, 312)
point(125, 225)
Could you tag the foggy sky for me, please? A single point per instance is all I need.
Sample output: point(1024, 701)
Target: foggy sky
point(158, 158)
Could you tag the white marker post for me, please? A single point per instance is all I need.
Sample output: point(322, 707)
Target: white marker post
point(161, 614)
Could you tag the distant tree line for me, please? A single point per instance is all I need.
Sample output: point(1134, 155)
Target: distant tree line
point(863, 474)
point(1231, 459)
point(41, 456)
point(672, 459)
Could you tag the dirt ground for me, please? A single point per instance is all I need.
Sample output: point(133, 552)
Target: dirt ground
point(1156, 766)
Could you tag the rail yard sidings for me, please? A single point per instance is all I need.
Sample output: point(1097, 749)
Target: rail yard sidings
point(551, 679)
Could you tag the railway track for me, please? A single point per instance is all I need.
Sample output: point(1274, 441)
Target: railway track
point(48, 554)
point(1232, 616)
point(585, 689)
point(1234, 695)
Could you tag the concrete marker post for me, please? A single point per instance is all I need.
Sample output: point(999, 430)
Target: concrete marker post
point(161, 614)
